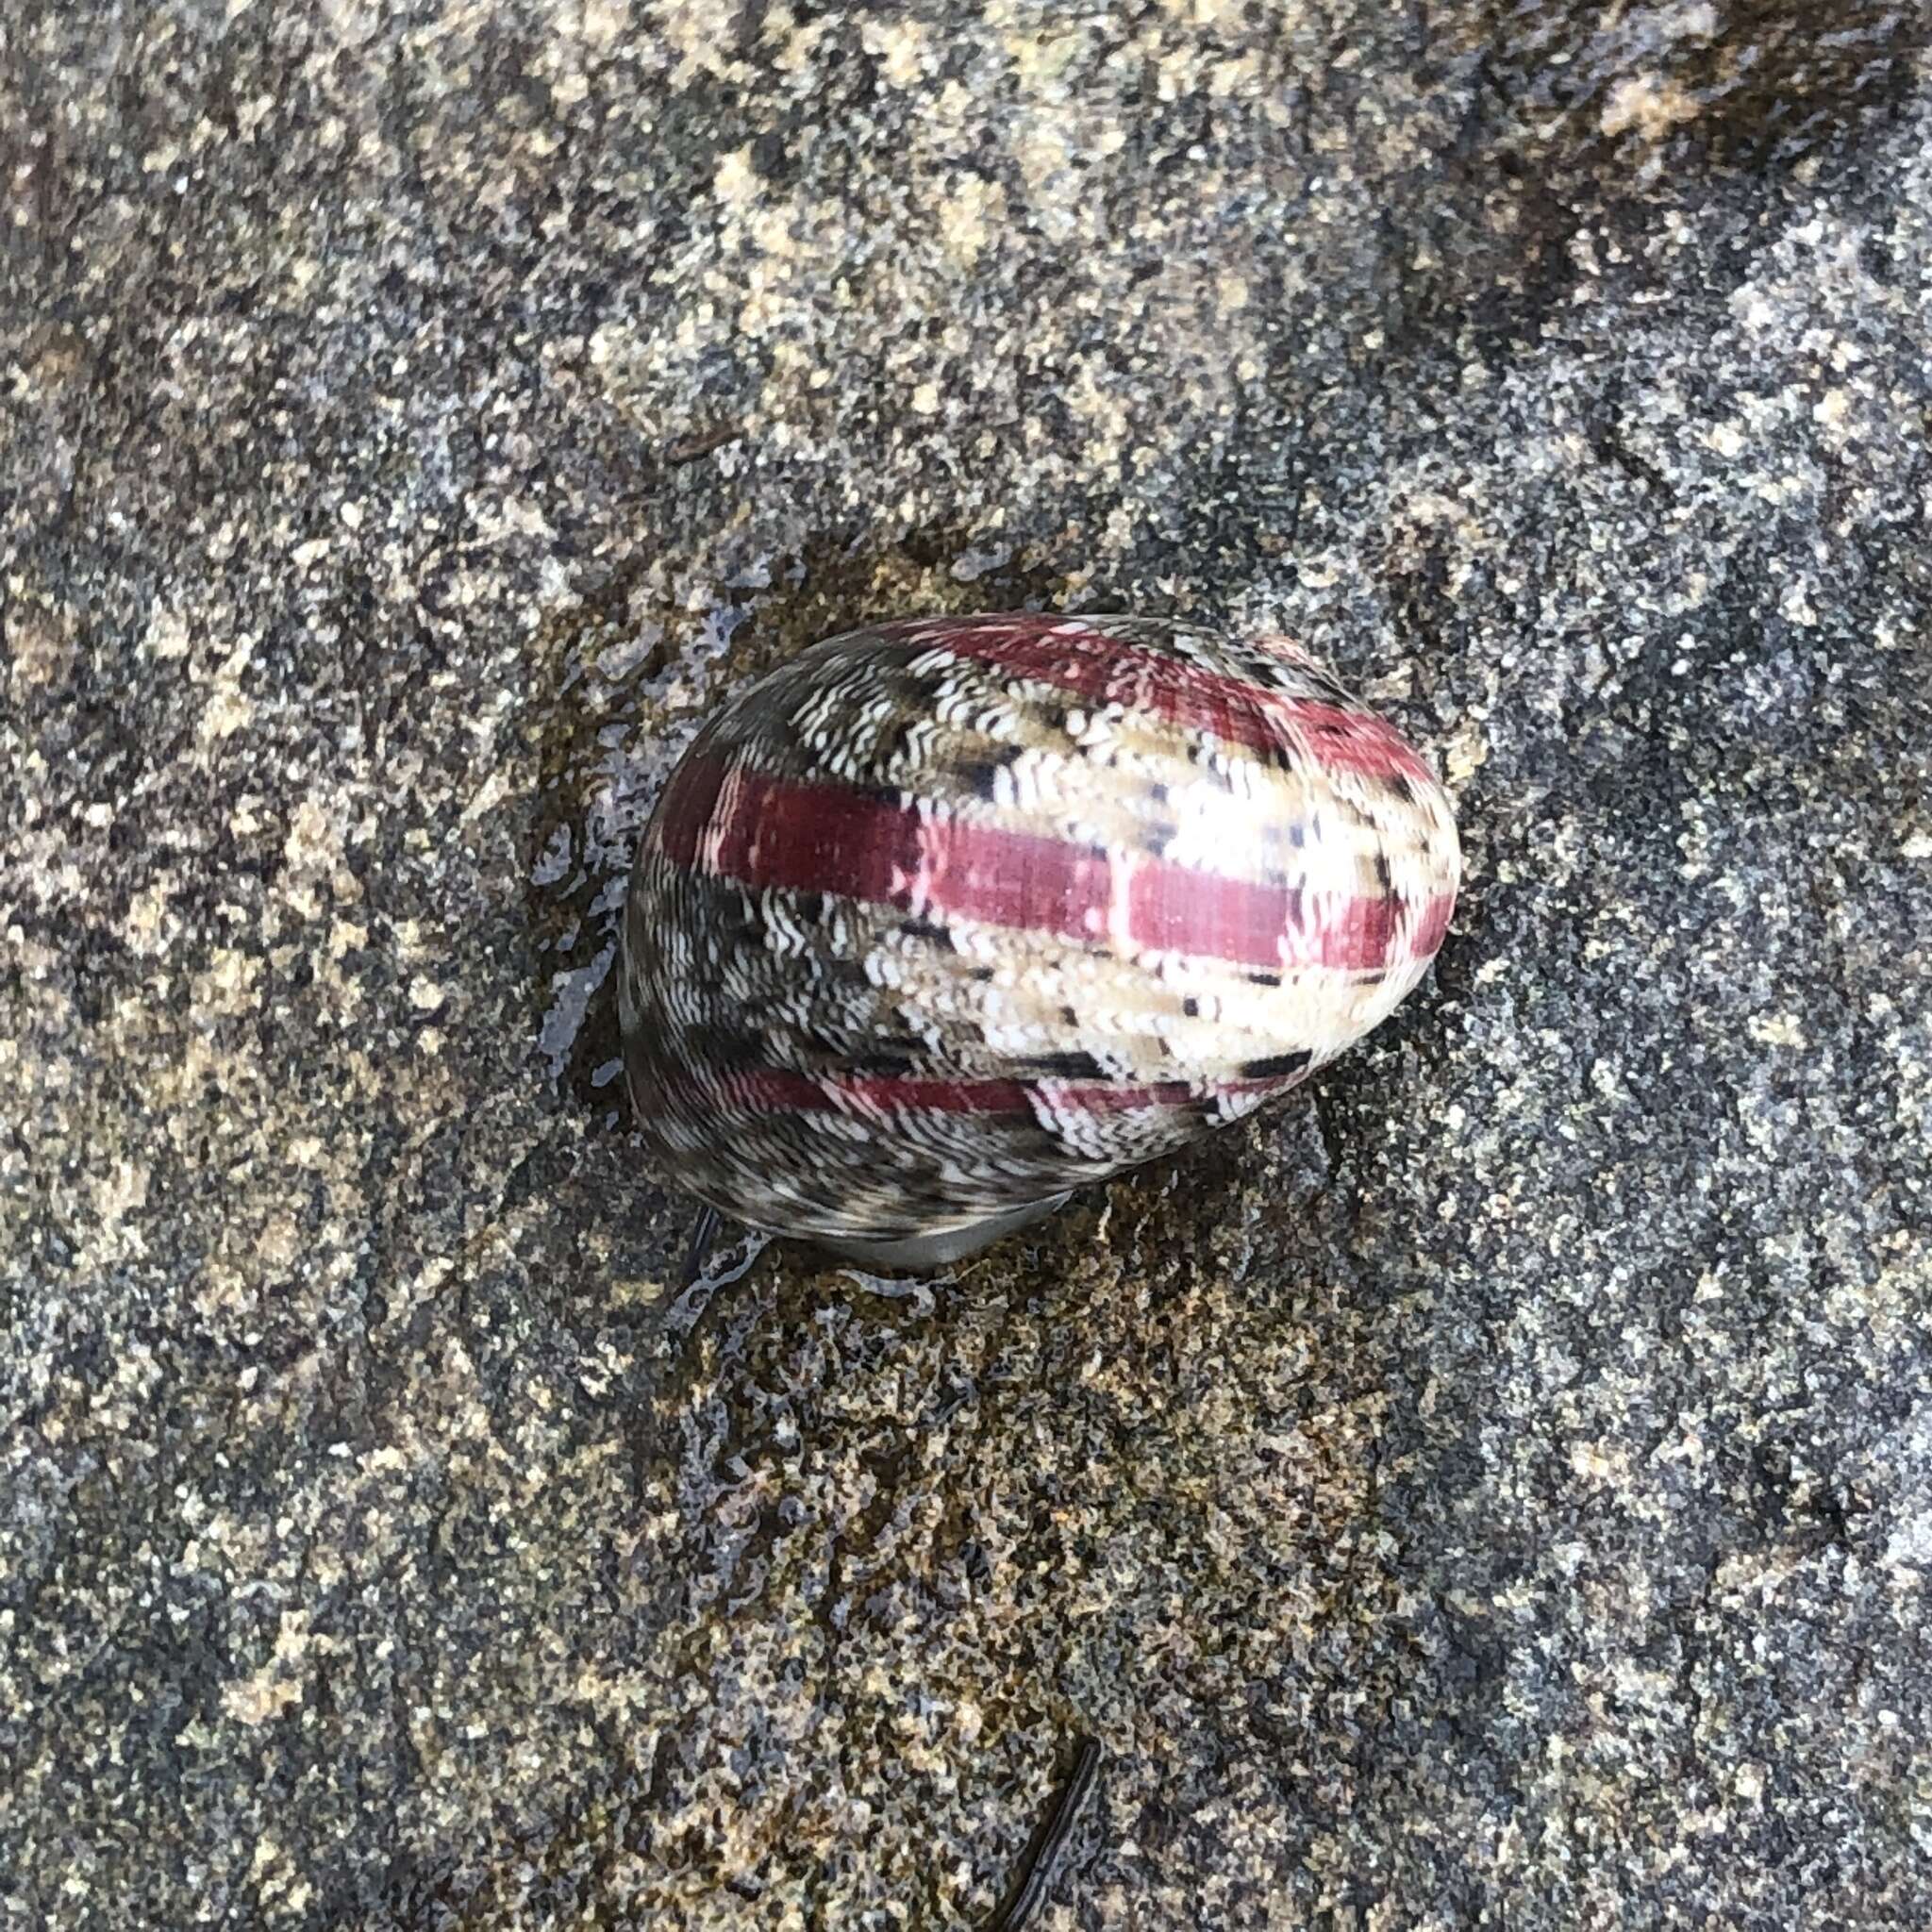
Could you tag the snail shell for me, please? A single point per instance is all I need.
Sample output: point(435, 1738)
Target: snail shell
point(946, 917)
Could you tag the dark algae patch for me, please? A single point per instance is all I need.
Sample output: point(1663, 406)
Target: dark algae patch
point(1753, 84)
point(1586, 119)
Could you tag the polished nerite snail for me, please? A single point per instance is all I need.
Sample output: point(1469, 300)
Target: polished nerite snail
point(946, 917)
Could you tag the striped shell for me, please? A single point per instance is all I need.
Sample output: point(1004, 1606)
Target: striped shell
point(945, 918)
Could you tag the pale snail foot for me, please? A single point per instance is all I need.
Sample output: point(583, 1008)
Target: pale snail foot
point(920, 1251)
point(909, 1253)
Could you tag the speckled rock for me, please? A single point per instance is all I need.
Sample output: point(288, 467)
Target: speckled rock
point(1497, 1491)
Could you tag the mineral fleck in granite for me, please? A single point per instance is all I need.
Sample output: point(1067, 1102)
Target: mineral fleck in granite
point(1496, 1491)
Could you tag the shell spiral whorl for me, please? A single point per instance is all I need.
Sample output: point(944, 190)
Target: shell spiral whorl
point(945, 918)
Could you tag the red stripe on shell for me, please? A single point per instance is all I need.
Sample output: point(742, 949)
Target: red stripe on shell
point(770, 833)
point(1110, 671)
point(1432, 928)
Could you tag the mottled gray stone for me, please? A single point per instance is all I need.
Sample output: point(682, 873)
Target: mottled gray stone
point(1498, 1492)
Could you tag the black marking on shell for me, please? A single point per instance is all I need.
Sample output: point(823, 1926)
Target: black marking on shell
point(1070, 1065)
point(1276, 1065)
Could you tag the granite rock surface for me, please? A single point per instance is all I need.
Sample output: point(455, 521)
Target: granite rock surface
point(1498, 1491)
